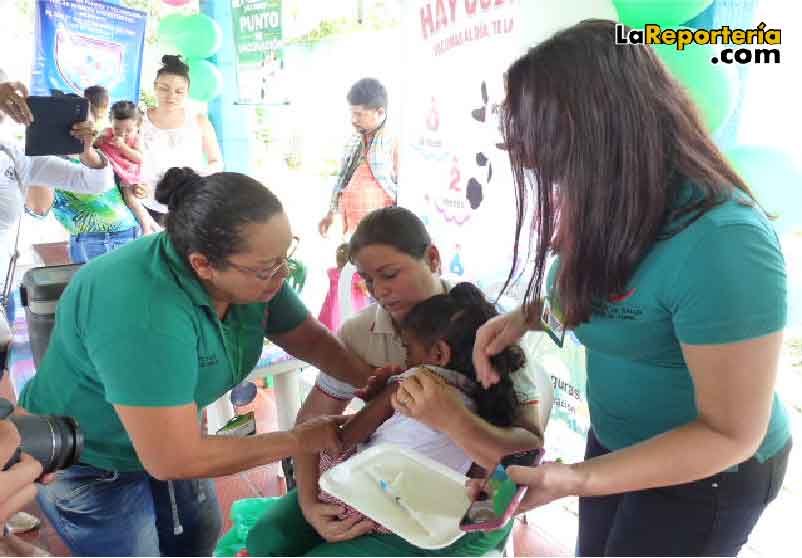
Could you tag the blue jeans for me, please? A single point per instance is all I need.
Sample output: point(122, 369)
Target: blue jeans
point(109, 513)
point(708, 517)
point(87, 246)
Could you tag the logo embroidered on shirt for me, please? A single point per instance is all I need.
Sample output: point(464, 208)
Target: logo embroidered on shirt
point(208, 360)
point(621, 298)
point(11, 173)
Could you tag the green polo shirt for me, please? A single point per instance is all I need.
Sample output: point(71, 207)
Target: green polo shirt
point(720, 280)
point(137, 328)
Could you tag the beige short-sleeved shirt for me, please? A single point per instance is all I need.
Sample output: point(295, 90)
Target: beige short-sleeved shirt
point(371, 335)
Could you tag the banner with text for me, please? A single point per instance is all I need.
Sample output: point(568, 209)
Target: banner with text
point(257, 40)
point(79, 43)
point(454, 174)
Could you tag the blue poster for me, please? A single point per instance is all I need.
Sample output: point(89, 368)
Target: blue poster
point(88, 42)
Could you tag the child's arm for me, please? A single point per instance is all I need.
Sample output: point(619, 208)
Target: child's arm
point(101, 139)
point(145, 220)
point(369, 418)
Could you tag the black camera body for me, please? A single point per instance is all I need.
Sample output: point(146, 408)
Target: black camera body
point(55, 442)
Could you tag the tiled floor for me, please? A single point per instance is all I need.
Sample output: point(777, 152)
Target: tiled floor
point(530, 540)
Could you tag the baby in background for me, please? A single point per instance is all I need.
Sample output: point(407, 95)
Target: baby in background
point(121, 144)
point(98, 97)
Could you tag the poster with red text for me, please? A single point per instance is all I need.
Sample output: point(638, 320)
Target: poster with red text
point(454, 174)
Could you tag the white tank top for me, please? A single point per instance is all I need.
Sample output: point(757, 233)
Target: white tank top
point(164, 148)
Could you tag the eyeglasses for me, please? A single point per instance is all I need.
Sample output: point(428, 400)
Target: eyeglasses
point(271, 272)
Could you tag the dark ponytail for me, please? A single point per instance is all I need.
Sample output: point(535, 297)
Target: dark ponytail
point(174, 185)
point(207, 214)
point(173, 65)
point(455, 317)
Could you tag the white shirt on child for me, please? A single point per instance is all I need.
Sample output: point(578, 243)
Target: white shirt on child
point(371, 335)
point(412, 434)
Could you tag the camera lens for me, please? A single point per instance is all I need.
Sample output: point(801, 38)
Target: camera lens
point(56, 442)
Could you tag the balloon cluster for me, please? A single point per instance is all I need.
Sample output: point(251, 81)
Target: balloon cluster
point(196, 37)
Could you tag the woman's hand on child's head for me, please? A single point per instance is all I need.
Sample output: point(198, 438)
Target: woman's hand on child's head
point(428, 398)
point(325, 518)
point(377, 382)
point(493, 337)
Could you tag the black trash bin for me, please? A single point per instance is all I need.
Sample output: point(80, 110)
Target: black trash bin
point(40, 290)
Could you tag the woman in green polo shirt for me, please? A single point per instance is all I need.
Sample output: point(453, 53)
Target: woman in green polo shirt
point(152, 333)
point(671, 275)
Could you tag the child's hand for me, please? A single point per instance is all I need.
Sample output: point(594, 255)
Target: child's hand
point(118, 141)
point(377, 382)
point(140, 191)
point(325, 519)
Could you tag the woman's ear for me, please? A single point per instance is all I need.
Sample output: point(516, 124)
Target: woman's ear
point(441, 353)
point(433, 259)
point(200, 264)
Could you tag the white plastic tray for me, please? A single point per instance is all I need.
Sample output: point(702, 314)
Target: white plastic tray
point(433, 496)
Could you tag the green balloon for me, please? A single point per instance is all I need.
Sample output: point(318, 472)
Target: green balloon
point(169, 28)
point(666, 13)
point(775, 181)
point(205, 80)
point(713, 87)
point(196, 36)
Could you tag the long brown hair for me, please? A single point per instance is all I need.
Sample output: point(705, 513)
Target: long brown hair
point(604, 137)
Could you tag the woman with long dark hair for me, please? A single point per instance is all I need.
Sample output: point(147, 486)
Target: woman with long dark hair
point(671, 275)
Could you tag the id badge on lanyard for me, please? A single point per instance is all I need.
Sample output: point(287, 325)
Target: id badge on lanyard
point(551, 320)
